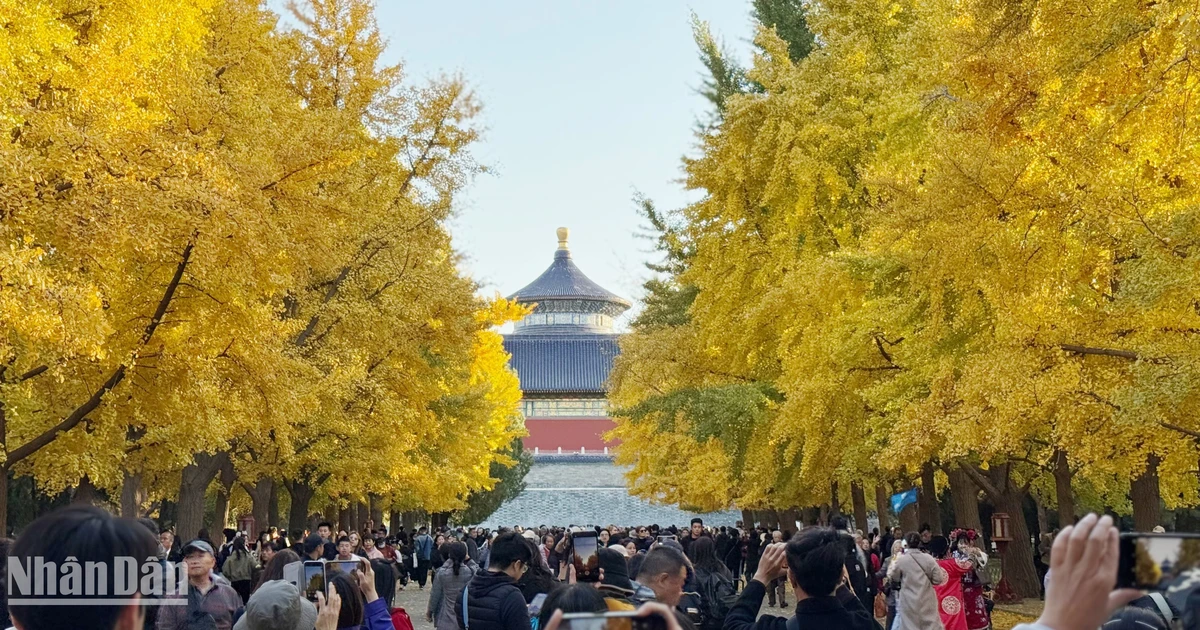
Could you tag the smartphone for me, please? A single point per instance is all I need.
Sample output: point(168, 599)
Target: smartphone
point(535, 606)
point(1153, 561)
point(618, 620)
point(334, 567)
point(667, 537)
point(584, 556)
point(313, 579)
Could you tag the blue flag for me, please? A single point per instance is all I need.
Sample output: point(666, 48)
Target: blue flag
point(903, 500)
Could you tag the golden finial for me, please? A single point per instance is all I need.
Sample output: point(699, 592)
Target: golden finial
point(562, 238)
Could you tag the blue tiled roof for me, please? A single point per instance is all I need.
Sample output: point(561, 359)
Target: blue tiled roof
point(562, 363)
point(563, 280)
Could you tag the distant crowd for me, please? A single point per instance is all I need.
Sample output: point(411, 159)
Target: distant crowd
point(705, 578)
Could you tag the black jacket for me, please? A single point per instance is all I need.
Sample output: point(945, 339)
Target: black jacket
point(841, 611)
point(493, 603)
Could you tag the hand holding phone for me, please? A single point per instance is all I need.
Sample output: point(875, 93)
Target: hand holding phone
point(366, 580)
point(313, 579)
point(327, 612)
point(586, 558)
point(1152, 561)
point(1083, 569)
point(648, 617)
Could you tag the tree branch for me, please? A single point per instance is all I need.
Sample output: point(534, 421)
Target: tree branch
point(1175, 427)
point(980, 480)
point(1110, 352)
point(81, 412)
point(37, 371)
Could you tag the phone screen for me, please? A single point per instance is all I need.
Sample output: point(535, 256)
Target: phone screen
point(666, 538)
point(1153, 561)
point(314, 579)
point(620, 620)
point(333, 567)
point(587, 561)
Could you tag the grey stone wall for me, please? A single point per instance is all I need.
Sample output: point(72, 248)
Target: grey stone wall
point(589, 493)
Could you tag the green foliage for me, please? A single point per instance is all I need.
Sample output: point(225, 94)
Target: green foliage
point(510, 484)
point(666, 301)
point(788, 19)
point(728, 413)
point(725, 76)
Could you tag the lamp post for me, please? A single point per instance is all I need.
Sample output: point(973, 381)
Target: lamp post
point(1001, 538)
point(246, 524)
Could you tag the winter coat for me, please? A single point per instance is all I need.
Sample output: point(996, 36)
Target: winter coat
point(447, 589)
point(238, 566)
point(493, 603)
point(917, 603)
point(840, 611)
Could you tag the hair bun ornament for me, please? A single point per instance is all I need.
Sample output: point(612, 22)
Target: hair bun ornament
point(969, 534)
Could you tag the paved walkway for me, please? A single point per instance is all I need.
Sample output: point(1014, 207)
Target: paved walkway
point(414, 601)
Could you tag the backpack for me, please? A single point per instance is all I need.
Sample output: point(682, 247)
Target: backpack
point(401, 620)
point(718, 595)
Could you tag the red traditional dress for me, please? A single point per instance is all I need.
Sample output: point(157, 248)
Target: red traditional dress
point(973, 586)
point(950, 594)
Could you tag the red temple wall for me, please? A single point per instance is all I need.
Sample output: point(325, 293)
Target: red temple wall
point(571, 434)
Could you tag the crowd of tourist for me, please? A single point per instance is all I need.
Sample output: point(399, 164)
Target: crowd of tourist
point(698, 577)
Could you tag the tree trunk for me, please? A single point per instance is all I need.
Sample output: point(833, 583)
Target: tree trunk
point(260, 498)
point(883, 507)
point(301, 493)
point(909, 521)
point(376, 510)
point(1018, 557)
point(226, 477)
point(1062, 489)
point(835, 504)
point(330, 513)
point(811, 515)
point(4, 500)
point(965, 496)
point(133, 495)
point(343, 519)
point(788, 519)
point(410, 519)
point(1043, 518)
point(1147, 505)
point(193, 482)
point(859, 499)
point(747, 519)
point(771, 517)
point(927, 503)
point(86, 492)
point(394, 524)
point(273, 508)
point(1006, 497)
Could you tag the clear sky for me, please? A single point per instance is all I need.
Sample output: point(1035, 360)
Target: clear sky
point(584, 104)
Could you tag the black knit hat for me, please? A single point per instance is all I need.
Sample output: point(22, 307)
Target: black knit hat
point(616, 572)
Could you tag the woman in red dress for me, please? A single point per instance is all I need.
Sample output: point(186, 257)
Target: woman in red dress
point(974, 582)
point(950, 592)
